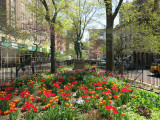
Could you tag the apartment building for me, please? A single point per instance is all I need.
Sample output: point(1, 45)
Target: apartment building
point(18, 16)
point(15, 18)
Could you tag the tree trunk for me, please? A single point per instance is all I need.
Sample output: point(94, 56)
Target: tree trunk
point(122, 67)
point(52, 49)
point(109, 42)
point(109, 32)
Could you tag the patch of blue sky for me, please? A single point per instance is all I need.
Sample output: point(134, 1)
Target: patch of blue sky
point(100, 21)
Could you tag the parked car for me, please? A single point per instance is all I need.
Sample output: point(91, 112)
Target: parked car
point(93, 61)
point(102, 62)
point(155, 62)
point(155, 67)
point(129, 65)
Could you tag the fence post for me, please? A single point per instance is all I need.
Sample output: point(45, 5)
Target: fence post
point(11, 72)
point(142, 68)
point(142, 74)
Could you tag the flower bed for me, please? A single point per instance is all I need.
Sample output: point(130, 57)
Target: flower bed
point(79, 94)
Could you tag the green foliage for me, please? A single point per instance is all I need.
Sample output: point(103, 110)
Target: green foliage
point(81, 13)
point(67, 53)
point(149, 99)
point(143, 19)
point(63, 68)
point(59, 113)
point(79, 77)
point(13, 115)
point(134, 116)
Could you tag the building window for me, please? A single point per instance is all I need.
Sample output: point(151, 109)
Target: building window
point(12, 10)
point(12, 23)
point(23, 26)
point(30, 30)
point(31, 38)
point(31, 13)
point(101, 34)
point(12, 0)
point(3, 38)
point(23, 16)
point(22, 6)
point(30, 20)
point(30, 1)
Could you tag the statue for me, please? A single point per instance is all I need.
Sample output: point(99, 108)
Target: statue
point(77, 47)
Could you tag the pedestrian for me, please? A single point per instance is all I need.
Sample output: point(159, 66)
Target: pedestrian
point(23, 67)
point(33, 65)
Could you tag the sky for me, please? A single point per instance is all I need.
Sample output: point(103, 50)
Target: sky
point(103, 21)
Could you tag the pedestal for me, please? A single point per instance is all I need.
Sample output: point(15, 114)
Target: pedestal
point(79, 64)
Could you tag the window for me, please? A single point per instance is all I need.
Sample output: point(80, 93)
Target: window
point(31, 13)
point(13, 23)
point(30, 1)
point(101, 33)
point(23, 16)
point(3, 38)
point(23, 26)
point(30, 20)
point(22, 6)
point(12, 0)
point(30, 30)
point(31, 38)
point(12, 10)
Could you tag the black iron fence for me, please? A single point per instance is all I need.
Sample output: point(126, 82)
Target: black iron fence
point(9, 72)
point(138, 74)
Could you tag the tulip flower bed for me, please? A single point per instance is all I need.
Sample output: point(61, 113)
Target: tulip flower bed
point(75, 95)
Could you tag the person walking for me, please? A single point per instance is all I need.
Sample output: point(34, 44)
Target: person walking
point(23, 67)
point(33, 65)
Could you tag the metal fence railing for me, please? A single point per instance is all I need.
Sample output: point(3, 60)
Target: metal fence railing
point(139, 74)
point(143, 76)
point(9, 72)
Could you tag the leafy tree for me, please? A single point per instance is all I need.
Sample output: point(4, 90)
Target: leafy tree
point(138, 29)
point(110, 17)
point(143, 19)
point(82, 13)
point(147, 26)
point(97, 41)
point(53, 12)
point(122, 45)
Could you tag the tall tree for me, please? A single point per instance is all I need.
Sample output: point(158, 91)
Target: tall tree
point(147, 26)
point(143, 19)
point(82, 13)
point(53, 12)
point(110, 17)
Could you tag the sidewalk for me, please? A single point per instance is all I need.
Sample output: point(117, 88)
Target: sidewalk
point(149, 81)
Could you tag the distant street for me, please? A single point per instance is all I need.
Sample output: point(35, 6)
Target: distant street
point(146, 77)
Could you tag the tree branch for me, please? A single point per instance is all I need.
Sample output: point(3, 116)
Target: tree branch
point(47, 16)
point(117, 9)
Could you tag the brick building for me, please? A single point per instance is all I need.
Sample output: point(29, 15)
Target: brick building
point(14, 13)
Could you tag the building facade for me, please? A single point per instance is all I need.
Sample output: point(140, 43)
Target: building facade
point(19, 28)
